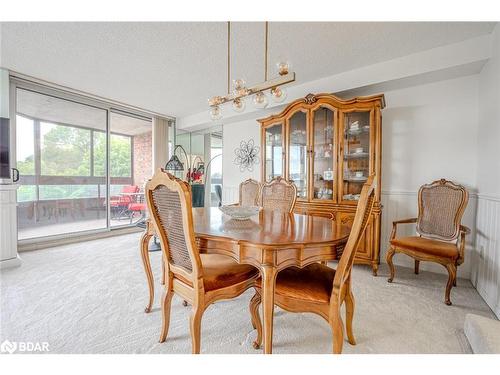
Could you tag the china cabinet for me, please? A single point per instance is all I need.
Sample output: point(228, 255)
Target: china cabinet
point(328, 147)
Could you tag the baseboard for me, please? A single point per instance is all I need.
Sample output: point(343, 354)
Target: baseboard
point(10, 263)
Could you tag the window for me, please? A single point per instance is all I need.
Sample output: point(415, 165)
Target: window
point(62, 155)
point(25, 147)
point(58, 191)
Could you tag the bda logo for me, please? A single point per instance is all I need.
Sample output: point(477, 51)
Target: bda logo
point(8, 347)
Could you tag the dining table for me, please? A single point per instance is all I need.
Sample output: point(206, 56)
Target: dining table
point(270, 241)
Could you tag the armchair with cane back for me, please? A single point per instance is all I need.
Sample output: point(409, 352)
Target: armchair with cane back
point(278, 195)
point(440, 236)
point(200, 279)
point(320, 289)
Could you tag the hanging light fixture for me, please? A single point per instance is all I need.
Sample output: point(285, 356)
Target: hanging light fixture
point(239, 92)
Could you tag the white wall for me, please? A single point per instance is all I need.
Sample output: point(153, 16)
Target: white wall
point(486, 257)
point(429, 131)
point(233, 134)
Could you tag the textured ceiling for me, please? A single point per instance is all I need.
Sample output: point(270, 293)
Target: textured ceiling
point(173, 67)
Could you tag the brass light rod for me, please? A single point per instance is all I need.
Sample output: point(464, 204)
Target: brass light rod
point(278, 81)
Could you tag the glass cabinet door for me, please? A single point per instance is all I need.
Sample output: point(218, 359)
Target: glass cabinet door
point(297, 152)
point(273, 152)
point(323, 139)
point(356, 165)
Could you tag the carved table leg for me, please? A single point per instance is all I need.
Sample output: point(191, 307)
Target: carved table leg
point(256, 323)
point(268, 274)
point(144, 245)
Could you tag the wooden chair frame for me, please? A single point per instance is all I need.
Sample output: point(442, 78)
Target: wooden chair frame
point(459, 236)
point(341, 292)
point(178, 280)
point(279, 181)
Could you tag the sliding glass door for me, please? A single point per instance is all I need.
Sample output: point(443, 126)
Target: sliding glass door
point(61, 165)
point(130, 166)
point(71, 156)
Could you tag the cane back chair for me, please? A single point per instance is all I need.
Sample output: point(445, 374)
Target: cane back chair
point(320, 289)
point(440, 236)
point(249, 193)
point(278, 195)
point(200, 279)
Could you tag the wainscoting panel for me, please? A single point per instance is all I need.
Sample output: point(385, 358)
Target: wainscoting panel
point(486, 256)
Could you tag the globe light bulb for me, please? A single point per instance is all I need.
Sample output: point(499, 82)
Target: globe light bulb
point(239, 104)
point(278, 94)
point(283, 68)
point(239, 87)
point(238, 83)
point(215, 113)
point(260, 100)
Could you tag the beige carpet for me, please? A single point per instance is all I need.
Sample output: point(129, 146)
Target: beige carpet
point(90, 298)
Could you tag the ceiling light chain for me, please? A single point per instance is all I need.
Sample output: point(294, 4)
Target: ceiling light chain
point(240, 91)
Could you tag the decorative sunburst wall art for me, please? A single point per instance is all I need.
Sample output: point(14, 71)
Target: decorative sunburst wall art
point(247, 155)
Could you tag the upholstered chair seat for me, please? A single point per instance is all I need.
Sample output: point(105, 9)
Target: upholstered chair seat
point(427, 246)
point(312, 283)
point(220, 271)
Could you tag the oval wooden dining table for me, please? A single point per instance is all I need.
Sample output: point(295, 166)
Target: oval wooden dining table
point(270, 241)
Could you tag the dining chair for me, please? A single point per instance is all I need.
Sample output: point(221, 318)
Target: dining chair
point(200, 279)
point(279, 195)
point(320, 289)
point(249, 193)
point(440, 236)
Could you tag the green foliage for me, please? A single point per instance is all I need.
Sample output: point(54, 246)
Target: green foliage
point(26, 193)
point(121, 155)
point(27, 166)
point(67, 191)
point(65, 151)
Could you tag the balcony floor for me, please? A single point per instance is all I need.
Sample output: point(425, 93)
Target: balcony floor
point(61, 228)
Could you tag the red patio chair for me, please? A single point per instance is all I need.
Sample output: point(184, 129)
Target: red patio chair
point(120, 203)
point(138, 206)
